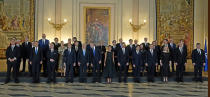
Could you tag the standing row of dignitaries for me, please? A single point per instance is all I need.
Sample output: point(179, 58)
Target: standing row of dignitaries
point(79, 59)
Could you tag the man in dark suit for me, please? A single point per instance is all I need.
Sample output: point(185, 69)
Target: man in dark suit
point(95, 59)
point(76, 48)
point(146, 44)
point(44, 45)
point(12, 55)
point(172, 48)
point(69, 59)
point(123, 62)
point(135, 43)
point(19, 49)
point(114, 49)
point(130, 48)
point(158, 52)
point(26, 48)
point(36, 61)
point(184, 47)
point(56, 46)
point(180, 61)
point(83, 62)
point(52, 60)
point(198, 60)
point(102, 50)
point(137, 63)
point(151, 62)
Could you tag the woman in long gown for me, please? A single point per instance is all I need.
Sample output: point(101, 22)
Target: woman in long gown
point(61, 49)
point(109, 64)
point(165, 62)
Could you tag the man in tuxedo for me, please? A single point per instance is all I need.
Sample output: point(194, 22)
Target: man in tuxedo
point(69, 59)
point(26, 48)
point(198, 60)
point(172, 48)
point(69, 42)
point(146, 44)
point(95, 59)
point(36, 58)
point(151, 62)
point(12, 55)
point(52, 60)
point(79, 42)
point(102, 50)
point(44, 46)
point(114, 49)
point(137, 63)
point(83, 62)
point(123, 62)
point(76, 48)
point(180, 61)
point(19, 49)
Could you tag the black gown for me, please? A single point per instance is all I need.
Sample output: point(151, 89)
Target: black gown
point(109, 68)
point(165, 57)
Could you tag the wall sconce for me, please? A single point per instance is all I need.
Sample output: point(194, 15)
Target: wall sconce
point(57, 27)
point(136, 28)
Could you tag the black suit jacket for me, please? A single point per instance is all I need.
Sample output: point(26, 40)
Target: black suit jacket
point(146, 46)
point(56, 46)
point(151, 60)
point(130, 50)
point(83, 59)
point(26, 48)
point(123, 58)
point(180, 58)
point(52, 55)
point(95, 59)
point(20, 51)
point(36, 58)
point(197, 58)
point(138, 58)
point(11, 54)
point(69, 58)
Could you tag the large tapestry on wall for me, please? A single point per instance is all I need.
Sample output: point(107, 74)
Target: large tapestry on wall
point(175, 20)
point(97, 24)
point(16, 20)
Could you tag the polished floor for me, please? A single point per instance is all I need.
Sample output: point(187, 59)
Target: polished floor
point(61, 89)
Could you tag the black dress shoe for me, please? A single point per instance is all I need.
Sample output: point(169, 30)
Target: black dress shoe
point(54, 82)
point(201, 81)
point(48, 81)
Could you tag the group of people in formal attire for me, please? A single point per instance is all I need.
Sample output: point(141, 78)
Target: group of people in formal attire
point(78, 59)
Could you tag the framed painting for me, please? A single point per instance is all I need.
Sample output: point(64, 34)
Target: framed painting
point(97, 24)
point(16, 20)
point(175, 20)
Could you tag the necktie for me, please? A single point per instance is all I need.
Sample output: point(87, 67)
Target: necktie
point(94, 51)
point(84, 52)
point(123, 50)
point(152, 52)
point(69, 51)
point(36, 50)
point(43, 41)
point(12, 48)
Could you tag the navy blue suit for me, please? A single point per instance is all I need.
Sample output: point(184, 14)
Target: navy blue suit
point(69, 58)
point(83, 58)
point(138, 62)
point(36, 58)
point(94, 59)
point(123, 59)
point(172, 48)
point(151, 60)
point(26, 48)
point(45, 48)
point(180, 59)
point(52, 65)
point(198, 59)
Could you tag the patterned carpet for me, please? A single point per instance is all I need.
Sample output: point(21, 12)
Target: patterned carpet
point(61, 89)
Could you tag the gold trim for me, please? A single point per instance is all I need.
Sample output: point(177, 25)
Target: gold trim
point(84, 14)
